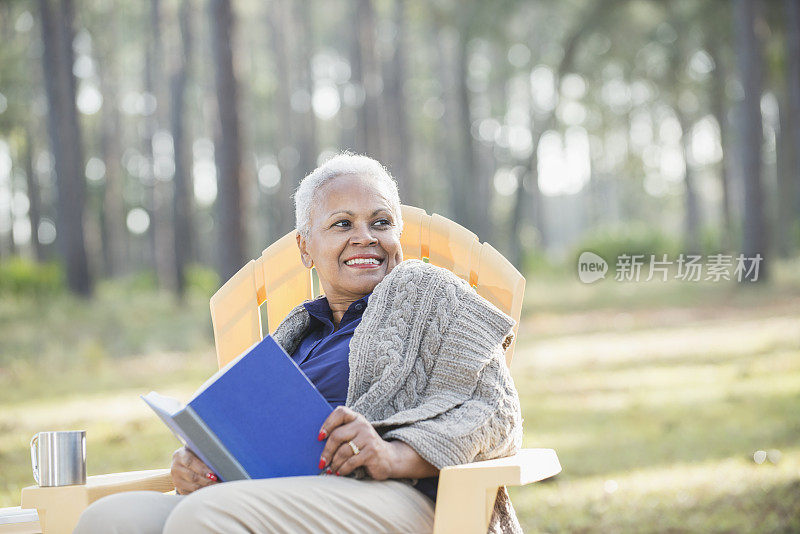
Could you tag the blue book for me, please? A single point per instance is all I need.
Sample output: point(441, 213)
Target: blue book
point(257, 417)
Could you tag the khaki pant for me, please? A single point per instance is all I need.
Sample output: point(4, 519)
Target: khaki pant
point(317, 504)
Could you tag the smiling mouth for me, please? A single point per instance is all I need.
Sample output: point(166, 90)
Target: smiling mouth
point(363, 262)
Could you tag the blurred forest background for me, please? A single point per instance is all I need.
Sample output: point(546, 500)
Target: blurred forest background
point(149, 148)
point(156, 135)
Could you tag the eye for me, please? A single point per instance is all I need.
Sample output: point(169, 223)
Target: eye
point(343, 223)
point(383, 222)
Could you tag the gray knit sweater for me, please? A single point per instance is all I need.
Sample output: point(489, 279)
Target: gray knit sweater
point(427, 368)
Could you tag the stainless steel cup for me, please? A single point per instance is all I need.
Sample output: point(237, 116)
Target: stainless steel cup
point(59, 458)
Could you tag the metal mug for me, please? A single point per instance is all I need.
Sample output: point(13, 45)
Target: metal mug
point(59, 458)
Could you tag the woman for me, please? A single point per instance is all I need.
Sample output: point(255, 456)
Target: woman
point(409, 354)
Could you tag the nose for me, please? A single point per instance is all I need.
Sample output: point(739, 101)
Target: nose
point(363, 235)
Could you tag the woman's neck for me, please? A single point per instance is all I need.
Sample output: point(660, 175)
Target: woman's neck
point(337, 313)
point(339, 305)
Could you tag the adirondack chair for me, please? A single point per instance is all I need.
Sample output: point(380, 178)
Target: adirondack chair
point(279, 281)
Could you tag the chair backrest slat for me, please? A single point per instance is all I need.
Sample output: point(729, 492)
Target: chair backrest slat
point(411, 239)
point(502, 285)
point(453, 247)
point(279, 280)
point(287, 281)
point(235, 314)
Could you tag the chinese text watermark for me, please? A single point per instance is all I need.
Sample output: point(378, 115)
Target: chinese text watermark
point(690, 267)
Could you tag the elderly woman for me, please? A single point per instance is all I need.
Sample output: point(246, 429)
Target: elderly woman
point(409, 354)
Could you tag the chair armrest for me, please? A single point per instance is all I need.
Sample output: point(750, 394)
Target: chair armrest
point(15, 520)
point(466, 493)
point(528, 465)
point(60, 507)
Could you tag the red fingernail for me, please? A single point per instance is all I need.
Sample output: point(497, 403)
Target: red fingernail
point(322, 463)
point(328, 470)
point(337, 474)
point(322, 435)
point(211, 476)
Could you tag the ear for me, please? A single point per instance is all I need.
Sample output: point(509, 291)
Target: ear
point(305, 257)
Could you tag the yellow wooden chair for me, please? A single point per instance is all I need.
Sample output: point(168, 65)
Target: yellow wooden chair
point(279, 281)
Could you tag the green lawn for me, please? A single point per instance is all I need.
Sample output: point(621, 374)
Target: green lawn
point(68, 364)
point(655, 395)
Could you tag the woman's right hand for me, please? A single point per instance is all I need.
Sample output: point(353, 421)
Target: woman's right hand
point(189, 473)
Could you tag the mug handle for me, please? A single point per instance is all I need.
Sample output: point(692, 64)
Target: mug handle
point(35, 458)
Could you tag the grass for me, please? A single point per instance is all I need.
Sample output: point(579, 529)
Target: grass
point(68, 364)
point(655, 395)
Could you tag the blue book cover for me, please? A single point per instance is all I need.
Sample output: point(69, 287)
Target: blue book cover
point(257, 417)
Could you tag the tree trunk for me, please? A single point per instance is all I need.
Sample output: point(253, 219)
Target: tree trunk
point(691, 208)
point(351, 118)
point(718, 109)
point(307, 133)
point(156, 187)
point(230, 218)
point(537, 201)
point(750, 131)
point(474, 212)
point(280, 216)
point(398, 151)
point(113, 231)
point(527, 192)
point(449, 161)
point(35, 209)
point(784, 173)
point(793, 96)
point(691, 213)
point(453, 164)
point(592, 18)
point(182, 215)
point(114, 226)
point(65, 139)
point(12, 242)
point(369, 113)
point(148, 178)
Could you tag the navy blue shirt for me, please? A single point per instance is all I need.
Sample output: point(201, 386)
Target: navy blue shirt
point(324, 351)
point(323, 356)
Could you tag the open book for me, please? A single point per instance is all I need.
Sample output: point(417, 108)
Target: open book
point(257, 417)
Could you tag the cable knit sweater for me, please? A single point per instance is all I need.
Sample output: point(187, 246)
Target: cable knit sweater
point(427, 368)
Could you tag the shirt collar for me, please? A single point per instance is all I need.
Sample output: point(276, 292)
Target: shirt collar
point(320, 309)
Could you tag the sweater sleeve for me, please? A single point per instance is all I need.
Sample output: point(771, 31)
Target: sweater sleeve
point(486, 425)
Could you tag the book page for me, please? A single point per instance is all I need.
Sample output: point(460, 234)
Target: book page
point(162, 403)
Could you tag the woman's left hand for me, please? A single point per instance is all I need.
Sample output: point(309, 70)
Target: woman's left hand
point(344, 426)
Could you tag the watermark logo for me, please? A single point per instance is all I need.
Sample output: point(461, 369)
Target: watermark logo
point(689, 267)
point(591, 267)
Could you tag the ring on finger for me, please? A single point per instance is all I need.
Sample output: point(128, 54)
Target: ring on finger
point(355, 448)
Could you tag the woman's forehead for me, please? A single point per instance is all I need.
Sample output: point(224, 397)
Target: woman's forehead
point(351, 193)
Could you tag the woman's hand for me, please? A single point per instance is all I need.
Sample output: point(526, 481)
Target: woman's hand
point(189, 473)
point(382, 459)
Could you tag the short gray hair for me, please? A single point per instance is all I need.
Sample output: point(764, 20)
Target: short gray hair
point(339, 165)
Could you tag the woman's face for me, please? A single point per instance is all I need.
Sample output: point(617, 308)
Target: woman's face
point(353, 241)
